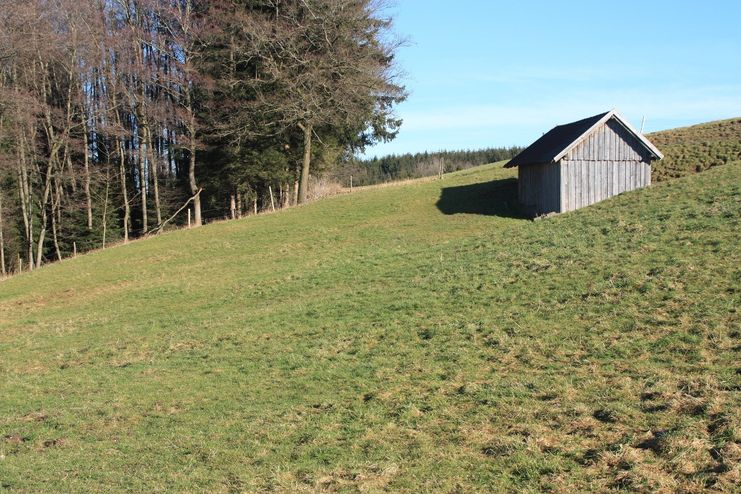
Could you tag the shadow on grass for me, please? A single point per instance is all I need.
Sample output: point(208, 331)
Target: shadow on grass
point(495, 198)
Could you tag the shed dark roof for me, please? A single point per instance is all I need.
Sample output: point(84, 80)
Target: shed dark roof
point(557, 141)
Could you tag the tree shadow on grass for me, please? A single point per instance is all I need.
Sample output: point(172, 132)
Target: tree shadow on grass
point(495, 198)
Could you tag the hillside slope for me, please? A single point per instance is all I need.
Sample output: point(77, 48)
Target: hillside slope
point(417, 338)
point(694, 149)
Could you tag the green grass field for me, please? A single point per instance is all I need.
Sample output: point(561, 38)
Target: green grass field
point(415, 338)
point(697, 148)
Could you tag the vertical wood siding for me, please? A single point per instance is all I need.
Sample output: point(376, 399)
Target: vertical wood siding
point(539, 187)
point(609, 142)
point(608, 162)
point(585, 182)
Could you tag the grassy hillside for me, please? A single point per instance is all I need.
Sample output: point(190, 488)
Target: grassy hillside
point(416, 338)
point(699, 147)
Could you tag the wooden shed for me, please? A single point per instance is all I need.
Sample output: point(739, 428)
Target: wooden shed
point(580, 163)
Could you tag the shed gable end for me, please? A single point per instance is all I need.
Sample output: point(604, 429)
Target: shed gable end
point(610, 141)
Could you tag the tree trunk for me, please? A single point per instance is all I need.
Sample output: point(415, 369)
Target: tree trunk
point(304, 184)
point(24, 192)
point(86, 184)
point(286, 197)
point(54, 146)
point(143, 186)
point(192, 165)
point(193, 187)
point(153, 174)
point(68, 129)
point(239, 204)
point(56, 216)
point(121, 156)
point(2, 239)
point(55, 238)
point(105, 205)
point(232, 206)
point(42, 208)
point(59, 190)
point(124, 194)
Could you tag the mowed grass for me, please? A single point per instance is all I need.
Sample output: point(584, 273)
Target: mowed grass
point(418, 338)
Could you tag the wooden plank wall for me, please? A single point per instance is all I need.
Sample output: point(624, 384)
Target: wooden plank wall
point(609, 161)
point(584, 182)
point(609, 142)
point(539, 187)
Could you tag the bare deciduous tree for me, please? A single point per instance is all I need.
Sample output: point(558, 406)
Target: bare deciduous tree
point(110, 108)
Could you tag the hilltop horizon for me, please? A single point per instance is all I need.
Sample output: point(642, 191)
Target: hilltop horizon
point(497, 74)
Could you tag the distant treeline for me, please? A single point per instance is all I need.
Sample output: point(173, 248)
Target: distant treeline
point(404, 166)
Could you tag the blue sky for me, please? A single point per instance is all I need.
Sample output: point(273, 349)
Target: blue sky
point(496, 73)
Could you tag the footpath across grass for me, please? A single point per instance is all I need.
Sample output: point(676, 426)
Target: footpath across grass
point(419, 338)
